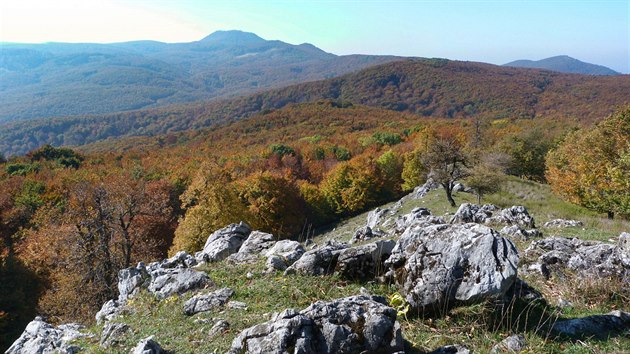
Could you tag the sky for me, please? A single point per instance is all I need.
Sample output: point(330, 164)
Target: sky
point(489, 31)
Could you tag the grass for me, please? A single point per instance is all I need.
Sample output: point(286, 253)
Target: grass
point(479, 326)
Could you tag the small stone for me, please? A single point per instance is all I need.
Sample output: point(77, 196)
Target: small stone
point(249, 275)
point(148, 346)
point(237, 305)
point(511, 344)
point(219, 327)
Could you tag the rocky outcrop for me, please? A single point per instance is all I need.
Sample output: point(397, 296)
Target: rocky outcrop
point(599, 326)
point(440, 266)
point(378, 217)
point(224, 242)
point(320, 261)
point(364, 262)
point(366, 233)
point(562, 223)
point(554, 254)
point(167, 282)
point(148, 346)
point(207, 302)
point(42, 338)
point(417, 217)
point(491, 214)
point(468, 212)
point(356, 324)
point(110, 310)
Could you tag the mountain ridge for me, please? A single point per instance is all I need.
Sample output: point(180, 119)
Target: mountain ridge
point(565, 64)
point(62, 79)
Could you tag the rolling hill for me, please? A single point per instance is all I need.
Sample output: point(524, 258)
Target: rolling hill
point(564, 64)
point(427, 87)
point(61, 79)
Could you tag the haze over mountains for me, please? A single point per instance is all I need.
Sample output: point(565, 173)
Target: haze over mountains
point(60, 79)
point(427, 87)
point(564, 64)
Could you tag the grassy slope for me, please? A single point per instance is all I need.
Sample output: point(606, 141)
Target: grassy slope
point(479, 326)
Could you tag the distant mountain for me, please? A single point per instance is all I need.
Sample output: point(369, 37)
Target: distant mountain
point(427, 87)
point(564, 64)
point(61, 79)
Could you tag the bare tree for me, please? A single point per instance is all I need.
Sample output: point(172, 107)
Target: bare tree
point(447, 162)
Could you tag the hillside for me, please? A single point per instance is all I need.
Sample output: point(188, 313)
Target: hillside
point(427, 88)
point(61, 79)
point(544, 315)
point(564, 64)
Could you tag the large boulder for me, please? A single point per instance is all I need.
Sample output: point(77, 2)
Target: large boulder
point(320, 261)
point(364, 262)
point(599, 326)
point(378, 217)
point(440, 266)
point(283, 254)
point(252, 247)
point(514, 215)
point(42, 338)
point(357, 324)
point(208, 302)
point(587, 258)
point(110, 310)
point(224, 242)
point(131, 280)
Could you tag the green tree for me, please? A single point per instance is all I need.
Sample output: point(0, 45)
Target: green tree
point(414, 172)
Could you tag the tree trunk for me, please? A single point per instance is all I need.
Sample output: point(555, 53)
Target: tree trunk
point(448, 188)
point(610, 215)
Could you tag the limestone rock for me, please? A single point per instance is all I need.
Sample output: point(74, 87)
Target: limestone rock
point(562, 223)
point(600, 326)
point(42, 338)
point(468, 212)
point(417, 216)
point(252, 248)
point(167, 282)
point(131, 280)
point(451, 349)
point(320, 261)
point(511, 344)
point(356, 324)
point(112, 333)
point(518, 233)
point(554, 254)
point(224, 242)
point(440, 266)
point(110, 310)
point(364, 262)
point(148, 346)
point(219, 327)
point(515, 215)
point(366, 233)
point(208, 302)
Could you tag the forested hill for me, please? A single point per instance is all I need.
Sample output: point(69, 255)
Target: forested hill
point(61, 79)
point(427, 87)
point(564, 64)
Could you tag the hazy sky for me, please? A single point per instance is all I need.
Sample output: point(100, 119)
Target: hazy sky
point(489, 31)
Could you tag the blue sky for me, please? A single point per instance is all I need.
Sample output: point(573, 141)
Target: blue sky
point(489, 31)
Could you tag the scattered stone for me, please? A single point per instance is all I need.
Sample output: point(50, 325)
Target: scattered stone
point(599, 326)
point(148, 346)
point(562, 223)
point(167, 282)
point(451, 349)
point(41, 337)
point(355, 324)
point(552, 255)
point(112, 333)
point(219, 327)
point(237, 305)
point(518, 233)
point(491, 214)
point(364, 262)
point(224, 242)
point(377, 217)
point(320, 261)
point(512, 344)
point(207, 302)
point(440, 266)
